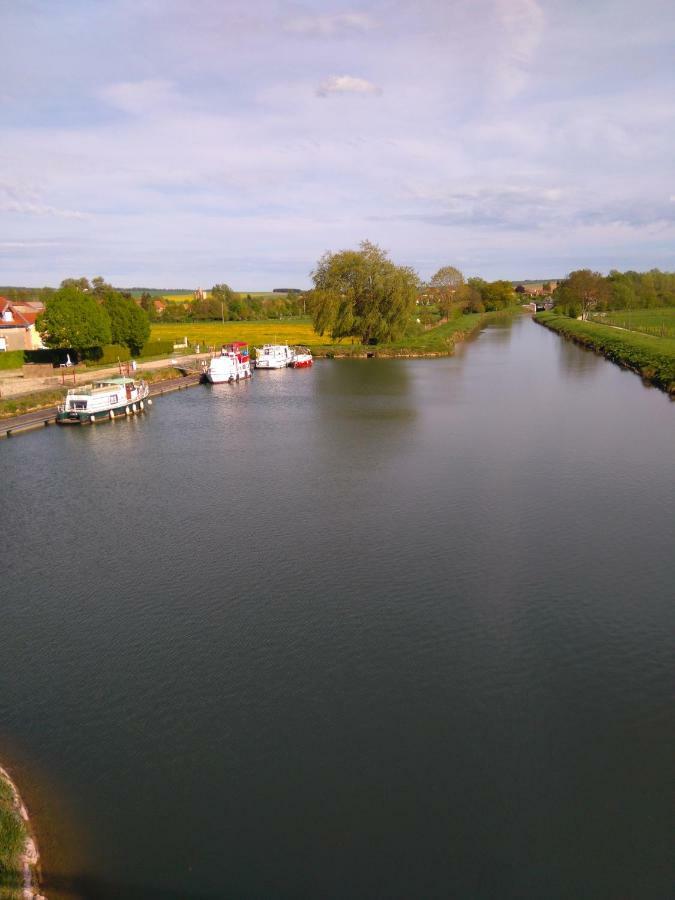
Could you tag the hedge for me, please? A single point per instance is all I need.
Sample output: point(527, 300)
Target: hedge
point(11, 359)
point(108, 354)
point(157, 348)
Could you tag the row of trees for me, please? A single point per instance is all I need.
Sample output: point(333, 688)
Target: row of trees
point(453, 295)
point(363, 294)
point(81, 315)
point(584, 291)
point(224, 304)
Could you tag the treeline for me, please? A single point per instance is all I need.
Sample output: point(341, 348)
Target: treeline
point(223, 305)
point(452, 295)
point(584, 291)
point(362, 294)
point(87, 316)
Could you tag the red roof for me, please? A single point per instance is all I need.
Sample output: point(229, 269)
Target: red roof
point(19, 319)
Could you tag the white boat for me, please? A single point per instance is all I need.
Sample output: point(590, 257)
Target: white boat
point(273, 356)
point(233, 364)
point(107, 398)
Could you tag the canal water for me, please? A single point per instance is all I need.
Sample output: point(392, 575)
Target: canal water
point(375, 629)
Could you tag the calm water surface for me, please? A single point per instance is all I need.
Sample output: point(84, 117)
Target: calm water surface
point(375, 629)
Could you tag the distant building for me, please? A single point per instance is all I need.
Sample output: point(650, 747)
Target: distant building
point(200, 294)
point(17, 325)
point(536, 289)
point(159, 306)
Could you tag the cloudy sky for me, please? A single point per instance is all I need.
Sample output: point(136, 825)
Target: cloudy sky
point(177, 143)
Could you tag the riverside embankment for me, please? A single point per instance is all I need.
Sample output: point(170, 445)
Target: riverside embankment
point(19, 857)
point(27, 404)
point(649, 356)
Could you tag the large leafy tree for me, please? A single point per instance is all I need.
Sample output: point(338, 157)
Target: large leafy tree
point(584, 290)
point(361, 293)
point(129, 323)
point(74, 320)
point(445, 286)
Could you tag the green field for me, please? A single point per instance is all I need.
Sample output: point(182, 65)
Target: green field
point(185, 296)
point(650, 356)
point(256, 333)
point(657, 322)
point(440, 340)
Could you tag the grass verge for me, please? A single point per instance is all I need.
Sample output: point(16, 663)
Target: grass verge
point(25, 403)
point(651, 357)
point(12, 843)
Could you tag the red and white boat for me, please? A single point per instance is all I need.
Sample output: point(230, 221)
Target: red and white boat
point(233, 364)
point(302, 359)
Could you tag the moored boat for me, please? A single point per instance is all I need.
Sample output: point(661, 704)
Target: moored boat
point(273, 356)
point(302, 358)
point(233, 364)
point(107, 398)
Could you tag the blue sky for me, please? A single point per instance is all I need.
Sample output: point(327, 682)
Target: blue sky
point(168, 143)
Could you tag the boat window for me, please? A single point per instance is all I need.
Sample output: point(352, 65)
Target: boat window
point(78, 404)
point(113, 398)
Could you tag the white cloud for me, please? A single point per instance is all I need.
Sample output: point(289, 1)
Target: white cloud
point(522, 28)
point(140, 97)
point(330, 25)
point(27, 202)
point(346, 84)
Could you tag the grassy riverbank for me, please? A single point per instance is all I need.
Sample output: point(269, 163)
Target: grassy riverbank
point(438, 341)
point(13, 835)
point(652, 357)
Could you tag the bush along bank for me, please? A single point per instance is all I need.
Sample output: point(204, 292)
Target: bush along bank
point(653, 358)
point(18, 852)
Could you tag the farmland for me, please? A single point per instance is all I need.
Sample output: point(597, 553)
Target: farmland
point(213, 334)
point(658, 322)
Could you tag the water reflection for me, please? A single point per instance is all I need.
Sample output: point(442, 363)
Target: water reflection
point(376, 628)
point(575, 362)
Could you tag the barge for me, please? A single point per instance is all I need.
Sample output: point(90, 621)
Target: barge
point(107, 398)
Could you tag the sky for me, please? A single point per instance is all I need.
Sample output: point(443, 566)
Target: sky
point(183, 143)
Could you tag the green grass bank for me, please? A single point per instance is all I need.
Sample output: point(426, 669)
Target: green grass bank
point(16, 850)
point(437, 341)
point(650, 356)
point(657, 321)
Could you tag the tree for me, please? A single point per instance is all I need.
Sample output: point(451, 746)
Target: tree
point(585, 289)
point(361, 293)
point(74, 320)
point(80, 284)
point(444, 286)
point(128, 322)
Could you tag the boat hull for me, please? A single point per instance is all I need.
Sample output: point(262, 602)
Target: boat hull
point(132, 408)
point(302, 364)
point(215, 378)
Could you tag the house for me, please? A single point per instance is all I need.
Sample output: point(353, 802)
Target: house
point(159, 307)
point(17, 325)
